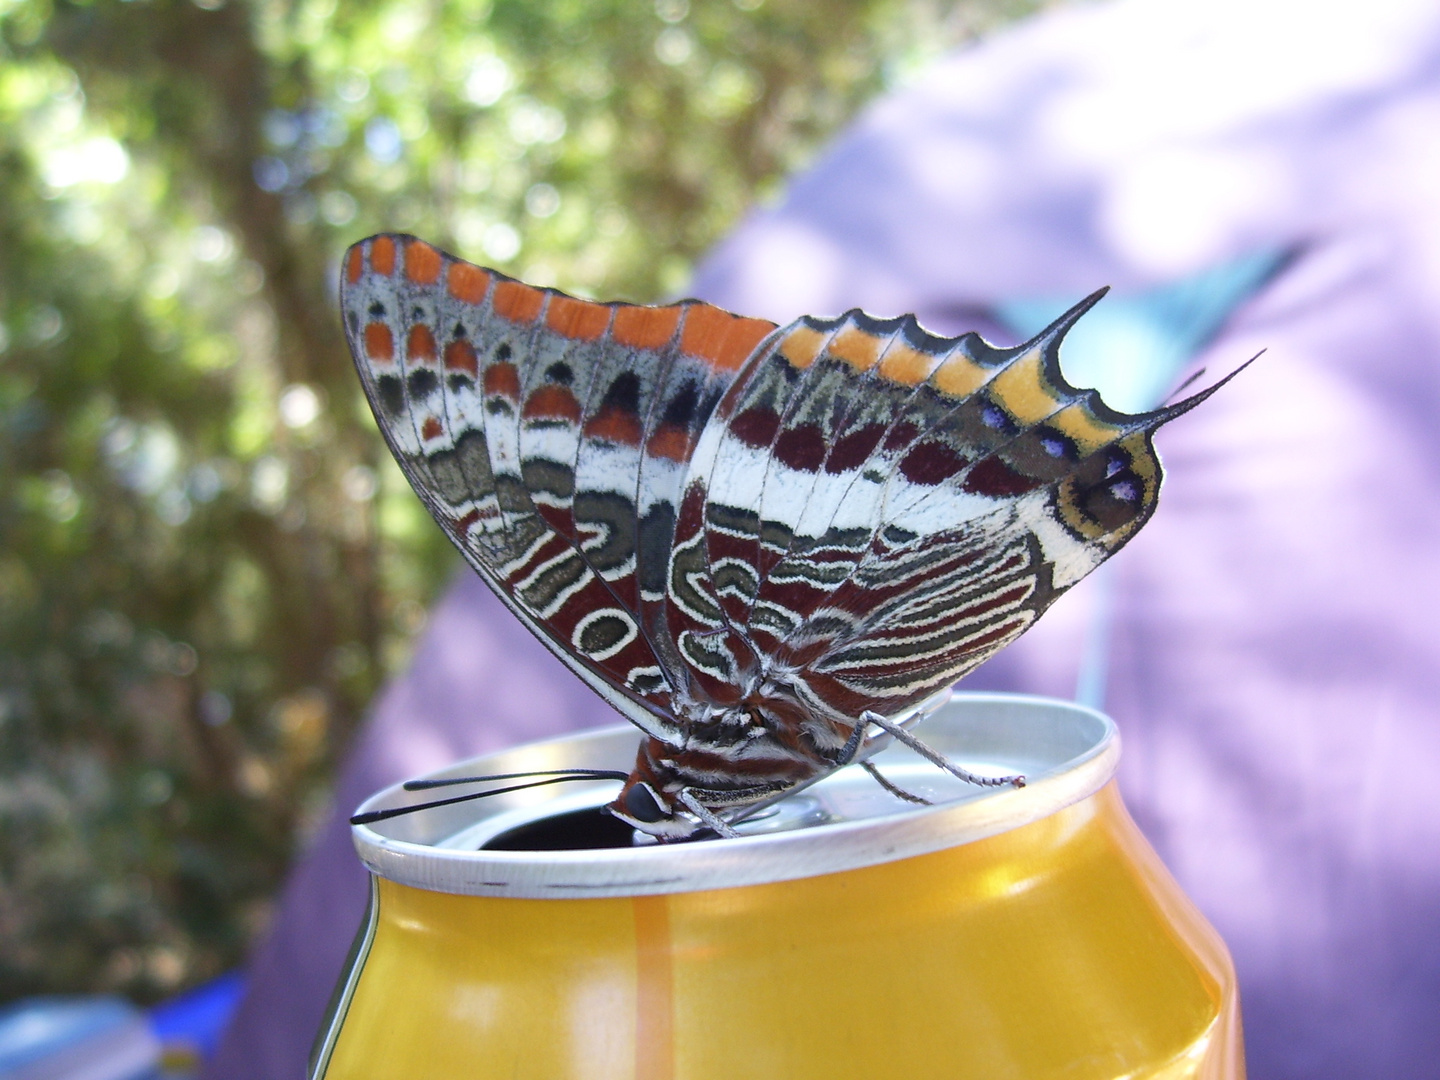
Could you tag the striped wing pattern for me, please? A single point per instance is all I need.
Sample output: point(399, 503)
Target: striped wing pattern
point(742, 536)
point(548, 436)
point(884, 509)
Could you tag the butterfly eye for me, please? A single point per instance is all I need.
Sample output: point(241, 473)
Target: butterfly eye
point(641, 804)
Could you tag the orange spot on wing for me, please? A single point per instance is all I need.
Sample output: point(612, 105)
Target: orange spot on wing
point(354, 264)
point(460, 356)
point(905, 365)
point(382, 255)
point(615, 425)
point(959, 376)
point(1089, 432)
point(1022, 390)
point(431, 429)
point(670, 441)
point(552, 403)
point(578, 319)
point(518, 302)
point(379, 342)
point(724, 339)
point(802, 345)
point(645, 327)
point(421, 343)
point(467, 283)
point(422, 263)
point(857, 348)
point(503, 380)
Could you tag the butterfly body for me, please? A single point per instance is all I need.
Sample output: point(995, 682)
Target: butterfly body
point(744, 537)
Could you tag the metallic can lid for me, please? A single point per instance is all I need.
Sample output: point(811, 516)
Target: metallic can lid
point(844, 822)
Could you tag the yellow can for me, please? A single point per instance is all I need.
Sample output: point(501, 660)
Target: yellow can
point(1026, 932)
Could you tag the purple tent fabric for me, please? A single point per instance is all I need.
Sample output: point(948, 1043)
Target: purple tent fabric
point(1274, 667)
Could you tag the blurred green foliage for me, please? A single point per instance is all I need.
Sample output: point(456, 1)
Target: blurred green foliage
point(207, 563)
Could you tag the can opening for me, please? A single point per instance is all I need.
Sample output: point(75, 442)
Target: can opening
point(578, 830)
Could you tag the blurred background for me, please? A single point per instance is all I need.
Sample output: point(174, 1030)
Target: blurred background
point(208, 564)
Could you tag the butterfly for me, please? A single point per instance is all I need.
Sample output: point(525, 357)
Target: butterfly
point(756, 542)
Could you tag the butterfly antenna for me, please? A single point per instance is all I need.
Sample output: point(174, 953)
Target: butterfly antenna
point(574, 774)
point(371, 816)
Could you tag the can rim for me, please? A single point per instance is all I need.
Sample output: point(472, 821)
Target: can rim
point(402, 854)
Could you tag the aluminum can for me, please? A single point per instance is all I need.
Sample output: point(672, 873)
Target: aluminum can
point(1027, 932)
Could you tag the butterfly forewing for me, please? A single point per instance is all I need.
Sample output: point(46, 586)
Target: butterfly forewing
point(523, 418)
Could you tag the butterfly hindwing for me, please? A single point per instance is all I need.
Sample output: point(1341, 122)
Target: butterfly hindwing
point(886, 509)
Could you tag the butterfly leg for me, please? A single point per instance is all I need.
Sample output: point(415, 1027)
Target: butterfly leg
point(938, 760)
point(898, 792)
point(851, 747)
point(706, 815)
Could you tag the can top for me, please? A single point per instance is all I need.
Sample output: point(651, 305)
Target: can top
point(844, 822)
